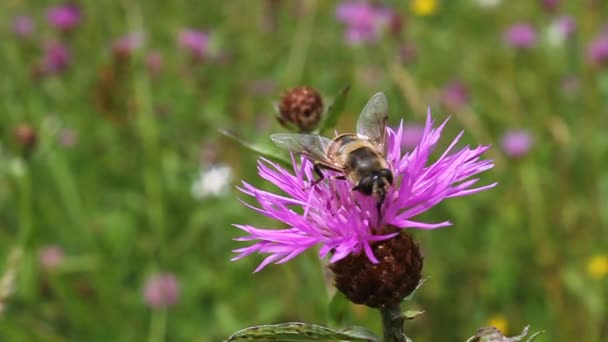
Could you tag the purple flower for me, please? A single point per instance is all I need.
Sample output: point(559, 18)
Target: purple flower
point(161, 291)
point(411, 136)
point(561, 29)
point(550, 5)
point(521, 36)
point(64, 17)
point(597, 50)
point(50, 257)
point(57, 58)
point(455, 95)
point(23, 26)
point(155, 63)
point(345, 222)
point(517, 143)
point(197, 42)
point(364, 22)
point(126, 45)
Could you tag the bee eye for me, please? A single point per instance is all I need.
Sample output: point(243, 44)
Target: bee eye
point(387, 174)
point(366, 185)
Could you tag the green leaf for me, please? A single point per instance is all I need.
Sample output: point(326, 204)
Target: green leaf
point(265, 150)
point(411, 314)
point(296, 331)
point(334, 111)
point(491, 334)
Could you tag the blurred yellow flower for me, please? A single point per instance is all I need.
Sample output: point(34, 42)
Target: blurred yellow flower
point(597, 266)
point(499, 321)
point(424, 7)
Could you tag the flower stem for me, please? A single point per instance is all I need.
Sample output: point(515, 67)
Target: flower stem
point(392, 324)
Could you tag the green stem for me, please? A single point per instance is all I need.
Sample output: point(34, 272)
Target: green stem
point(301, 43)
point(392, 324)
point(158, 325)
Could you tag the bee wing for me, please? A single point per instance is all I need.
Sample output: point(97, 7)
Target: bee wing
point(373, 119)
point(312, 146)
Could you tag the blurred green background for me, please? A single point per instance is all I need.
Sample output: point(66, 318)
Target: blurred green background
point(105, 156)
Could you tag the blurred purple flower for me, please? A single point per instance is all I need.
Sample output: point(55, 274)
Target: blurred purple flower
point(561, 29)
point(161, 291)
point(455, 95)
point(155, 63)
point(597, 50)
point(345, 222)
point(50, 257)
point(64, 17)
point(23, 26)
point(126, 45)
point(57, 58)
point(68, 137)
point(411, 136)
point(550, 5)
point(517, 143)
point(196, 42)
point(521, 36)
point(365, 23)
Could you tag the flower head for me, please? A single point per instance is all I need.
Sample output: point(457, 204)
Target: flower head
point(50, 257)
point(597, 266)
point(517, 143)
point(521, 36)
point(154, 63)
point(161, 290)
point(597, 50)
point(126, 45)
point(455, 95)
point(343, 222)
point(424, 7)
point(365, 23)
point(57, 58)
point(64, 17)
point(212, 182)
point(23, 26)
point(196, 42)
point(561, 29)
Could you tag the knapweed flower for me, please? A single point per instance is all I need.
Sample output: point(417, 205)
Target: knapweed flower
point(597, 50)
point(212, 182)
point(424, 7)
point(343, 222)
point(520, 36)
point(455, 95)
point(23, 26)
point(51, 257)
point(196, 42)
point(560, 30)
point(517, 143)
point(64, 17)
point(161, 291)
point(57, 58)
point(597, 266)
point(365, 23)
point(550, 5)
point(301, 107)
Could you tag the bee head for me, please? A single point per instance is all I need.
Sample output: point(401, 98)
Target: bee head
point(375, 183)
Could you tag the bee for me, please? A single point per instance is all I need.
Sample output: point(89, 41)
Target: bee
point(359, 157)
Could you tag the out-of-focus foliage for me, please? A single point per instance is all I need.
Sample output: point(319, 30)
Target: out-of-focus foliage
point(113, 184)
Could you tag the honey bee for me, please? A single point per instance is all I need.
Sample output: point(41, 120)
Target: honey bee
point(359, 157)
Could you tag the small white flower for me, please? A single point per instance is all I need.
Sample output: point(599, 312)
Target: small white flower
point(213, 181)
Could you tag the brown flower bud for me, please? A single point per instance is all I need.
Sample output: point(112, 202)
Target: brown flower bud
point(26, 137)
point(386, 283)
point(302, 107)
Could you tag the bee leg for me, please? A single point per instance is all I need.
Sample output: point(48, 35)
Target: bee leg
point(318, 172)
